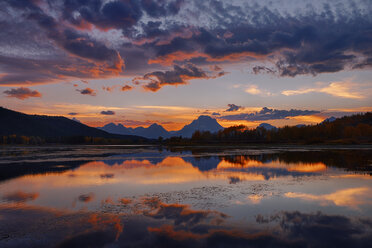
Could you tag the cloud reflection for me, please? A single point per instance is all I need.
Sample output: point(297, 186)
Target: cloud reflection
point(176, 225)
point(20, 196)
point(352, 198)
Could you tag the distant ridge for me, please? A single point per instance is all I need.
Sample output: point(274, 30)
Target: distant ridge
point(16, 123)
point(202, 123)
point(330, 119)
point(267, 126)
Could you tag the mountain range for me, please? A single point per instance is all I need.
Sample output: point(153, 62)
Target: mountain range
point(202, 123)
point(16, 123)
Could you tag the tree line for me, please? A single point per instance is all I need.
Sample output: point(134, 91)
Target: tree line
point(356, 129)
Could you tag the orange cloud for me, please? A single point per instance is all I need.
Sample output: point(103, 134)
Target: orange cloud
point(343, 89)
point(126, 88)
point(22, 93)
point(169, 59)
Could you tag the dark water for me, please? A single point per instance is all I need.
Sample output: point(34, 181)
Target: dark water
point(112, 196)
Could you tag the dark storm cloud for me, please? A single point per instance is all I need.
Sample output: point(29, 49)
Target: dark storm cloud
point(67, 53)
point(232, 107)
point(103, 14)
point(268, 114)
point(108, 112)
point(69, 39)
point(22, 93)
point(79, 44)
point(161, 8)
point(51, 41)
point(30, 71)
point(338, 37)
point(85, 47)
point(179, 75)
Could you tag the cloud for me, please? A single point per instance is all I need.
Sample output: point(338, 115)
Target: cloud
point(253, 90)
point(87, 91)
point(57, 50)
point(22, 93)
point(262, 69)
point(178, 76)
point(269, 35)
point(104, 15)
point(107, 176)
point(121, 88)
point(57, 41)
point(338, 89)
point(216, 114)
point(159, 8)
point(268, 114)
point(107, 112)
point(109, 89)
point(126, 88)
point(232, 107)
point(72, 113)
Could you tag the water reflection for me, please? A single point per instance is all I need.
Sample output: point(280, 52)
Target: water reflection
point(347, 197)
point(147, 197)
point(176, 225)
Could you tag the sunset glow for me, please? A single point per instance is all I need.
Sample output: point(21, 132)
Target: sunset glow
point(157, 65)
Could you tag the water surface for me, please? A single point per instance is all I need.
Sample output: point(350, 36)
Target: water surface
point(143, 196)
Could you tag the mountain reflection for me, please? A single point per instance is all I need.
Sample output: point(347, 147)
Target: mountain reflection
point(269, 165)
point(147, 197)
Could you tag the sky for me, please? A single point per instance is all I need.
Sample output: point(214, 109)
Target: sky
point(140, 62)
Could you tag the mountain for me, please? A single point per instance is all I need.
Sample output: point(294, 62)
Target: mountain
point(117, 129)
point(267, 126)
point(152, 132)
point(12, 122)
point(203, 123)
point(330, 119)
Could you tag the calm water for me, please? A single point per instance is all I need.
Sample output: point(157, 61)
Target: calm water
point(112, 196)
